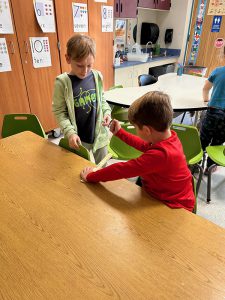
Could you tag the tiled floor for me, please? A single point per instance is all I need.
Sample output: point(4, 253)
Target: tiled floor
point(215, 211)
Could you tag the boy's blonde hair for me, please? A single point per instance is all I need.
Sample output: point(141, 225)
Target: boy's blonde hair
point(152, 109)
point(80, 46)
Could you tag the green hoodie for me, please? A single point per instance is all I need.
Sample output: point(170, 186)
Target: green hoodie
point(63, 108)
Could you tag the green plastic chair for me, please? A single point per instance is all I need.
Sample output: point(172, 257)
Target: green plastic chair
point(82, 151)
point(190, 140)
point(16, 123)
point(118, 112)
point(121, 150)
point(217, 154)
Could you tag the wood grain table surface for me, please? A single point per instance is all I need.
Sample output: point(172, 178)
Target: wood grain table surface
point(63, 239)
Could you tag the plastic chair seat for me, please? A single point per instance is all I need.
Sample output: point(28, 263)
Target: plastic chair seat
point(217, 154)
point(118, 112)
point(196, 159)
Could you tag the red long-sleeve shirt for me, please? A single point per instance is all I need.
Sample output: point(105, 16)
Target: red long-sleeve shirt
point(162, 168)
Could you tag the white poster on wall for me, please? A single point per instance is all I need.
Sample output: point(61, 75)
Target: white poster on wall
point(5, 18)
point(40, 50)
point(80, 17)
point(107, 18)
point(216, 7)
point(44, 11)
point(5, 64)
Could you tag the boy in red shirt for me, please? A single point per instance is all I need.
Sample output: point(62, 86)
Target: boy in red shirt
point(162, 166)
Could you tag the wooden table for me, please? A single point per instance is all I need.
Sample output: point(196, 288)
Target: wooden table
point(63, 239)
point(185, 92)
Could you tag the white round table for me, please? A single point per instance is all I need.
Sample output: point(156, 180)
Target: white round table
point(185, 92)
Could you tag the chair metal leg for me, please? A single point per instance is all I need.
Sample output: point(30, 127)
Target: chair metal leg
point(182, 119)
point(209, 183)
point(203, 159)
point(196, 118)
point(199, 178)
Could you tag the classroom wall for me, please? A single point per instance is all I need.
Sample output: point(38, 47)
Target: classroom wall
point(177, 18)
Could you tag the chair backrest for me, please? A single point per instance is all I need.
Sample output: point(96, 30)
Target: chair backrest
point(82, 151)
point(146, 79)
point(119, 86)
point(195, 70)
point(190, 140)
point(15, 123)
point(119, 113)
point(121, 150)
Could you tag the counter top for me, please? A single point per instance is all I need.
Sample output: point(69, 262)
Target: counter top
point(126, 64)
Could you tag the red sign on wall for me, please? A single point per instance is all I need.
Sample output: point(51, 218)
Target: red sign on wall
point(219, 43)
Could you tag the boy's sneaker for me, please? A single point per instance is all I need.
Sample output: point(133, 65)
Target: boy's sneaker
point(206, 172)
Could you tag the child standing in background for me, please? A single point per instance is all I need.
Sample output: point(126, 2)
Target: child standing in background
point(78, 103)
point(162, 166)
point(213, 125)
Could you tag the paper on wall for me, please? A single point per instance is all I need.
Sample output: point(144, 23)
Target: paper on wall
point(5, 18)
point(216, 7)
point(44, 11)
point(80, 17)
point(40, 50)
point(5, 64)
point(107, 18)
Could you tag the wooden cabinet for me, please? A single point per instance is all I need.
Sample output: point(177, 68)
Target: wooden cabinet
point(125, 9)
point(207, 54)
point(26, 89)
point(128, 76)
point(104, 40)
point(39, 81)
point(13, 94)
point(65, 27)
point(155, 4)
point(124, 76)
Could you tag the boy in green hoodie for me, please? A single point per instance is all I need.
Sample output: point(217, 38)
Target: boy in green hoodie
point(78, 103)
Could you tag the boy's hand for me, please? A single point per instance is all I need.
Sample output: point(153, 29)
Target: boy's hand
point(114, 126)
point(74, 141)
point(106, 120)
point(84, 173)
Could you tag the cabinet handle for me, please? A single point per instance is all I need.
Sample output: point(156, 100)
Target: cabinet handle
point(121, 7)
point(117, 7)
point(11, 45)
point(26, 47)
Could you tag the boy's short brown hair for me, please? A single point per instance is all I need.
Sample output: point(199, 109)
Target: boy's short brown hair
point(80, 46)
point(152, 109)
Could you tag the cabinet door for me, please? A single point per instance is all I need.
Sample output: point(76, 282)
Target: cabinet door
point(163, 4)
point(117, 9)
point(65, 27)
point(39, 81)
point(124, 76)
point(104, 42)
point(147, 3)
point(13, 94)
point(128, 8)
